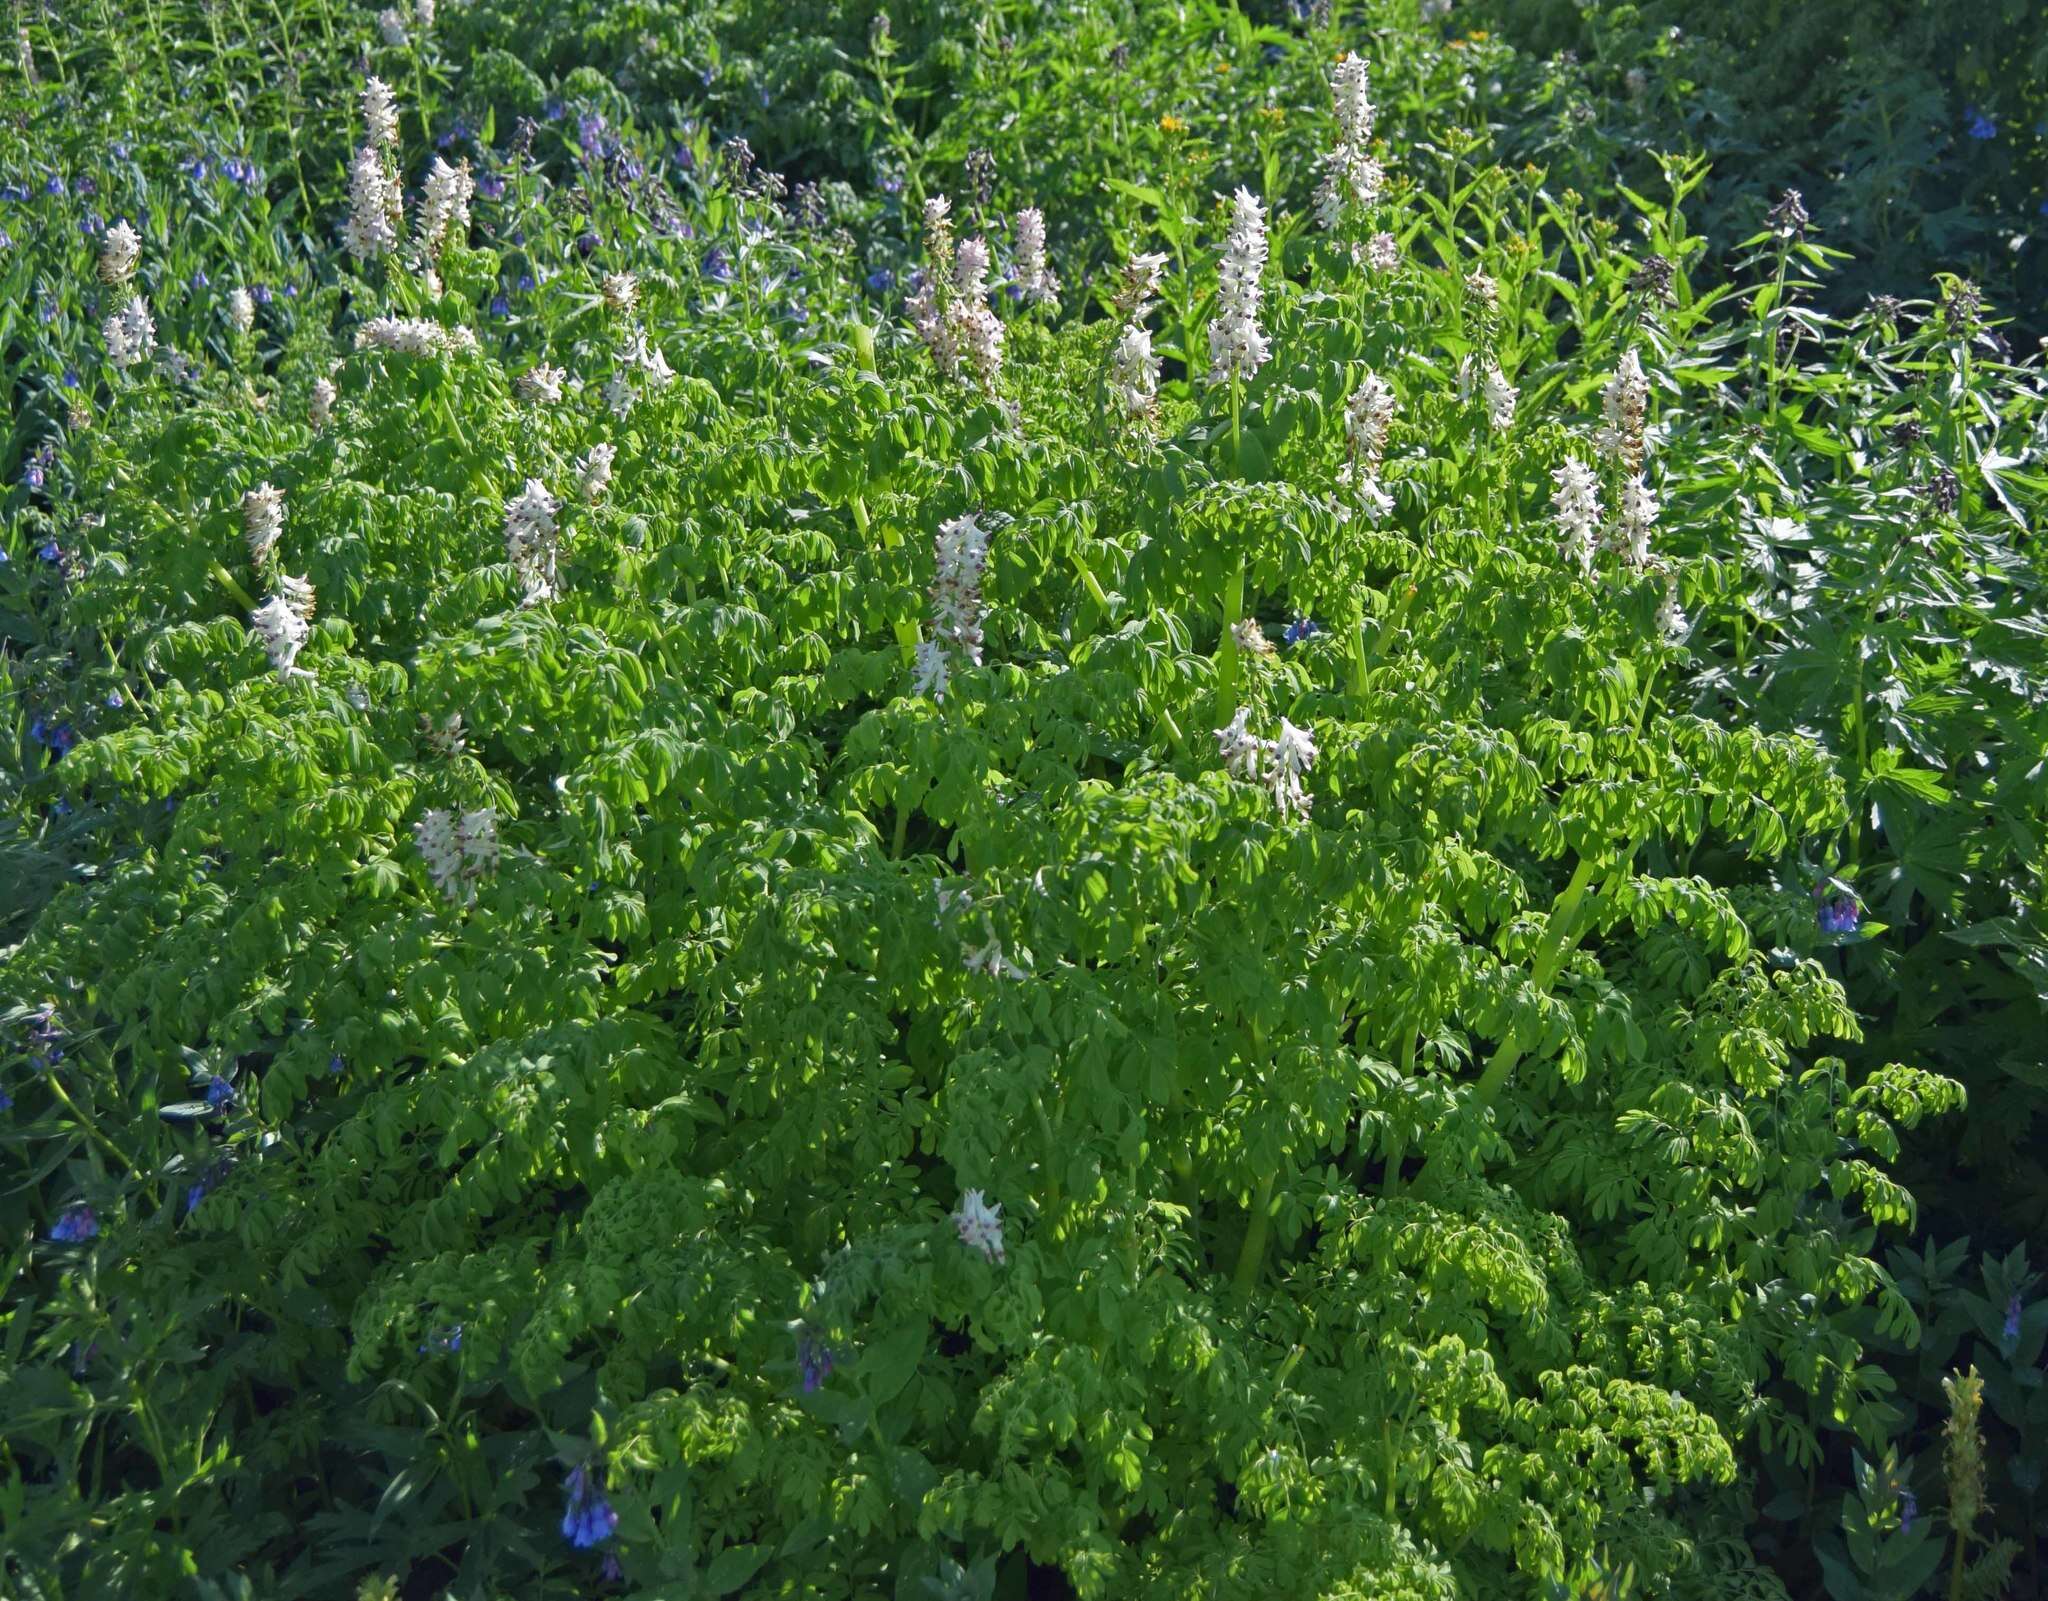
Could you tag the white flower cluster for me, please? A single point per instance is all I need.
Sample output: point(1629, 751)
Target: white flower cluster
point(1495, 392)
point(413, 336)
point(1367, 418)
point(1577, 500)
point(980, 1225)
point(375, 209)
point(594, 471)
point(1637, 517)
point(241, 310)
point(1237, 348)
point(391, 23)
point(120, 254)
point(541, 385)
point(1625, 405)
point(1133, 369)
point(1035, 278)
point(1351, 177)
point(262, 521)
point(1382, 253)
point(423, 11)
point(962, 547)
point(532, 539)
point(1482, 289)
point(444, 208)
point(636, 356)
point(320, 408)
point(977, 332)
point(459, 850)
point(130, 333)
point(1278, 763)
point(621, 291)
point(283, 623)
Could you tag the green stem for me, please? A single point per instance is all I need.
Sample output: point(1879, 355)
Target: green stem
point(226, 580)
point(1252, 1255)
point(1226, 657)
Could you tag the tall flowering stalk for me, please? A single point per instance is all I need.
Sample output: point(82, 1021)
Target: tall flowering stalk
point(130, 333)
point(444, 209)
point(1133, 368)
point(962, 549)
point(375, 208)
point(532, 539)
point(1367, 417)
point(1351, 177)
point(977, 333)
point(1577, 499)
point(262, 521)
point(1036, 281)
point(120, 253)
point(1237, 347)
point(1624, 405)
point(928, 307)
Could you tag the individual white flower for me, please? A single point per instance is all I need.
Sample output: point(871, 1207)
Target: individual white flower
point(262, 521)
point(1292, 755)
point(320, 409)
point(1243, 752)
point(282, 632)
point(531, 539)
point(444, 208)
point(619, 396)
point(594, 471)
point(541, 385)
point(380, 114)
point(931, 671)
point(1637, 517)
point(1237, 348)
point(976, 331)
point(621, 291)
point(980, 1225)
point(1351, 177)
point(1577, 499)
point(990, 959)
point(1134, 370)
point(373, 206)
point(657, 369)
point(241, 310)
point(1035, 278)
point(1500, 398)
point(391, 23)
point(130, 333)
point(1624, 406)
point(120, 253)
point(1382, 254)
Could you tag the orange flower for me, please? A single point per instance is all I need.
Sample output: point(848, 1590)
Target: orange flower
point(1172, 124)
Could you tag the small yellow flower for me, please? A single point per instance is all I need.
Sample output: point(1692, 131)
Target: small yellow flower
point(1479, 36)
point(1274, 114)
point(1222, 66)
point(1172, 124)
point(1454, 44)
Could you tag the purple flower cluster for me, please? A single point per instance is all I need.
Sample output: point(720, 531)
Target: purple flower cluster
point(588, 1520)
point(2009, 1335)
point(219, 1092)
point(448, 1339)
point(43, 1038)
point(1838, 912)
point(1298, 630)
point(58, 738)
point(813, 1360)
point(75, 1225)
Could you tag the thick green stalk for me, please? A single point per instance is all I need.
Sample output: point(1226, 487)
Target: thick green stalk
point(1226, 658)
point(1253, 1253)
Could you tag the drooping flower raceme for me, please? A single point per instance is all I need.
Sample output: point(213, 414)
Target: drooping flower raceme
point(1500, 396)
point(1133, 368)
point(1243, 752)
point(1237, 348)
point(1624, 404)
point(262, 521)
point(980, 1225)
point(458, 850)
point(1351, 177)
point(120, 253)
point(588, 1519)
point(1035, 278)
point(444, 208)
point(531, 539)
point(1577, 499)
point(1292, 755)
point(130, 333)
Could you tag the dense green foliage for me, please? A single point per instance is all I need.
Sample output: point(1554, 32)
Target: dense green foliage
point(1454, 991)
